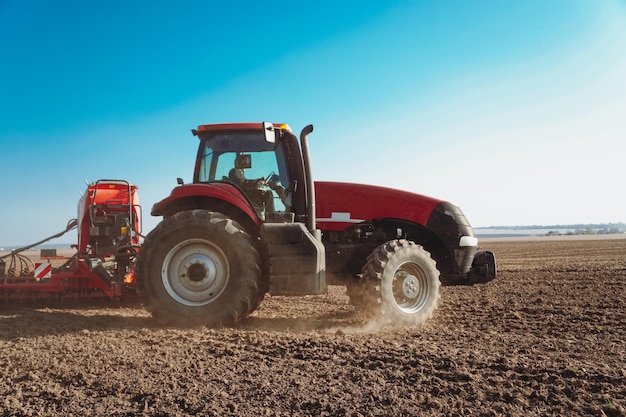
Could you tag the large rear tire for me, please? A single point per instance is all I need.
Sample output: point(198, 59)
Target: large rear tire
point(400, 283)
point(198, 268)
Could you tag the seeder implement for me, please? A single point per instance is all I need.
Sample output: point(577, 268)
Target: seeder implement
point(109, 225)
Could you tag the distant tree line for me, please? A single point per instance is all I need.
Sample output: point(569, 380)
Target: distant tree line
point(609, 229)
point(618, 227)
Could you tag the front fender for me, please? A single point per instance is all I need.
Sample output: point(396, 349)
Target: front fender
point(222, 192)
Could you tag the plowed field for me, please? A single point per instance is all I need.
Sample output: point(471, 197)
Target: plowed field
point(547, 338)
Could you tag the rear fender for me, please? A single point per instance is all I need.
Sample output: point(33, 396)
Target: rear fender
point(215, 196)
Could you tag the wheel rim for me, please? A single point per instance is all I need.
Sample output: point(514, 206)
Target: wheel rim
point(195, 272)
point(410, 287)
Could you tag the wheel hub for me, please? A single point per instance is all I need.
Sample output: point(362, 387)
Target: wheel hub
point(410, 286)
point(409, 289)
point(195, 272)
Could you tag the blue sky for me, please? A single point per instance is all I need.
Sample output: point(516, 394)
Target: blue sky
point(513, 110)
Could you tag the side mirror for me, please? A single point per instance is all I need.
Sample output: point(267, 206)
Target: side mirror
point(270, 132)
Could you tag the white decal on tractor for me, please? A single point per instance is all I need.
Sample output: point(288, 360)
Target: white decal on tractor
point(339, 217)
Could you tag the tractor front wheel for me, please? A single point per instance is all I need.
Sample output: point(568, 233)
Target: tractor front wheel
point(400, 281)
point(198, 267)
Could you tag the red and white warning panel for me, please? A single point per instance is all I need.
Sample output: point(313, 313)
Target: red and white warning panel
point(43, 270)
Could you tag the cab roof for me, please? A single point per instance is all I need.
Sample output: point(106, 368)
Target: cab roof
point(237, 126)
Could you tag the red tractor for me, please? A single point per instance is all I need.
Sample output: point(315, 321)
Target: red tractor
point(253, 222)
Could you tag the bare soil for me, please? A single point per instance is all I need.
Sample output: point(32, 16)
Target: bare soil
point(547, 338)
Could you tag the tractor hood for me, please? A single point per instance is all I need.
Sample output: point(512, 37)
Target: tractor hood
point(340, 205)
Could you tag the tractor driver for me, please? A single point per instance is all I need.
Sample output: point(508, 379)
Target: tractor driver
point(254, 189)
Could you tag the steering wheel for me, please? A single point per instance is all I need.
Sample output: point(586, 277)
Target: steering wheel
point(271, 177)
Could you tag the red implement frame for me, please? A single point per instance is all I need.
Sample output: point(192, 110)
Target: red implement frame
point(109, 224)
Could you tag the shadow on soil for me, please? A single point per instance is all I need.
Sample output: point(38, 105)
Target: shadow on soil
point(30, 321)
point(37, 318)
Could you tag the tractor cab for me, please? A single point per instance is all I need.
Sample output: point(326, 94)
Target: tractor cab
point(259, 163)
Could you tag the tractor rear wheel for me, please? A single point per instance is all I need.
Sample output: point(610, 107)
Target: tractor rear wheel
point(400, 282)
point(198, 268)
